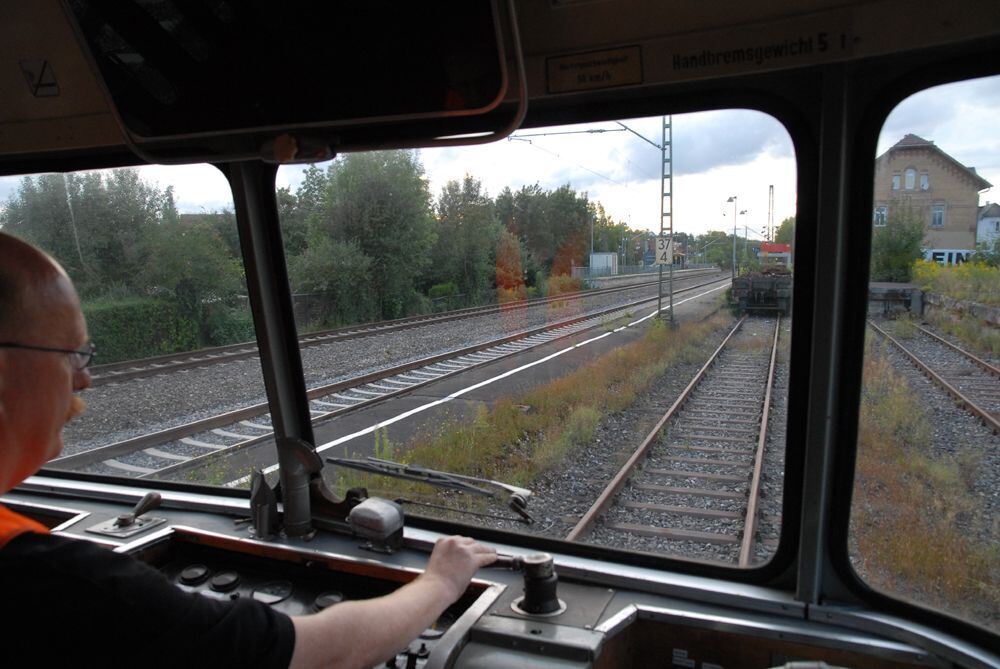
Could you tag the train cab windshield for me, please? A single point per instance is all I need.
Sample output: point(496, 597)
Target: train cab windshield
point(709, 313)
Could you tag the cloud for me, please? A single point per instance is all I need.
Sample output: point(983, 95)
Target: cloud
point(710, 140)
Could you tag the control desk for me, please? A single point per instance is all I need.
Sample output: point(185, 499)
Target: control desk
point(576, 613)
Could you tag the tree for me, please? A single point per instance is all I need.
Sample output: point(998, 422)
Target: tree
point(897, 245)
point(97, 225)
point(193, 266)
point(716, 248)
point(509, 269)
point(467, 233)
point(339, 270)
point(987, 254)
point(380, 202)
point(785, 234)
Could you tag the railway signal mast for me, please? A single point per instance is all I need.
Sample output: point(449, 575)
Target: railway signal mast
point(666, 211)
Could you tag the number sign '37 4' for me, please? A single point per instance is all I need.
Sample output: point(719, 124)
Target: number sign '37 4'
point(664, 254)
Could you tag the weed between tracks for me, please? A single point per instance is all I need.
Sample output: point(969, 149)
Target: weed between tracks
point(980, 337)
point(909, 504)
point(520, 437)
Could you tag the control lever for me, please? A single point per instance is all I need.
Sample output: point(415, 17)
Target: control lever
point(149, 501)
point(540, 583)
point(133, 522)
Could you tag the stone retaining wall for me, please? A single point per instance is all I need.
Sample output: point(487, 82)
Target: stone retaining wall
point(937, 302)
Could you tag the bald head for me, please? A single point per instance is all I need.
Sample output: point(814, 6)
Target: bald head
point(28, 277)
point(40, 314)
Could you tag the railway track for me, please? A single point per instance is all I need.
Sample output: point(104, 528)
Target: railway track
point(199, 443)
point(971, 381)
point(118, 372)
point(696, 478)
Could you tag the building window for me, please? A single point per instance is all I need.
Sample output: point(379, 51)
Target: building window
point(911, 178)
point(880, 215)
point(925, 182)
point(895, 182)
point(937, 215)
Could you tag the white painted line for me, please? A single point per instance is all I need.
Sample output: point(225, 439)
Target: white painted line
point(167, 456)
point(458, 393)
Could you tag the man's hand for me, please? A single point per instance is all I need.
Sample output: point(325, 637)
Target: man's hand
point(367, 632)
point(455, 560)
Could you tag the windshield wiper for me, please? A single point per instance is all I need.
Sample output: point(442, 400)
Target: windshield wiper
point(517, 497)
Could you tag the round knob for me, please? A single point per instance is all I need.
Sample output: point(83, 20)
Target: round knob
point(194, 574)
point(327, 599)
point(224, 581)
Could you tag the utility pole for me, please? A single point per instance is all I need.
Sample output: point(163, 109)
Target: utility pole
point(666, 212)
point(770, 213)
point(732, 198)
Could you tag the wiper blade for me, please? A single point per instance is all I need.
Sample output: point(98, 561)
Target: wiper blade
point(517, 499)
point(412, 473)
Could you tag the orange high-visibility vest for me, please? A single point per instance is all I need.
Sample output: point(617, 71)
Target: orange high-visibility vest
point(12, 524)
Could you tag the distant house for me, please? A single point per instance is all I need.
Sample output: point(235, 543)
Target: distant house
point(772, 252)
point(988, 230)
point(943, 192)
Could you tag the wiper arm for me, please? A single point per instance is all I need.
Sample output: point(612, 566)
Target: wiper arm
point(412, 473)
point(517, 500)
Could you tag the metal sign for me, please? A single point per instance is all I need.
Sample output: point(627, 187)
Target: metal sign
point(664, 251)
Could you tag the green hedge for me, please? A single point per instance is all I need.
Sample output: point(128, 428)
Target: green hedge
point(138, 328)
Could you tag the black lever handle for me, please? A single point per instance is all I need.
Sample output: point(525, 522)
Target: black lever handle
point(149, 501)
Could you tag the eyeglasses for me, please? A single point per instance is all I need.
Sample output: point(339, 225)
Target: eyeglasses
point(79, 359)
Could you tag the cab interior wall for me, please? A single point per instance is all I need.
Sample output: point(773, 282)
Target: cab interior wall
point(833, 114)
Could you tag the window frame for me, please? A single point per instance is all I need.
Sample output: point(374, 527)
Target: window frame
point(935, 209)
point(880, 216)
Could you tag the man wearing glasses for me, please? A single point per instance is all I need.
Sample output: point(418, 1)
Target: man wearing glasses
point(106, 609)
point(44, 353)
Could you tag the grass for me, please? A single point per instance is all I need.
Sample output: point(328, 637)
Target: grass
point(902, 327)
point(981, 338)
point(520, 437)
point(908, 504)
point(974, 282)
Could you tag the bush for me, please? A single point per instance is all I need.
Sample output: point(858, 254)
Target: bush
point(559, 284)
point(223, 325)
point(970, 281)
point(896, 246)
point(440, 290)
point(138, 328)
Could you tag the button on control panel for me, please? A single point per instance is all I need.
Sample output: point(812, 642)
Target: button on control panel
point(293, 586)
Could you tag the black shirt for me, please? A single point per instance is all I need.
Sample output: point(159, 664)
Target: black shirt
point(92, 607)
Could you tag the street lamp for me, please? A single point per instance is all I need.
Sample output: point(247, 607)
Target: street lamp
point(732, 199)
point(746, 232)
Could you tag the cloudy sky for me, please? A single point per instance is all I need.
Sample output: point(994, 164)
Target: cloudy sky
point(715, 155)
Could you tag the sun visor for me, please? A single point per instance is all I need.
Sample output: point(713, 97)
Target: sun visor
point(298, 81)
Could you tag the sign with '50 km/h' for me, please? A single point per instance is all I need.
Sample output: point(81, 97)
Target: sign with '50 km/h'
point(664, 252)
